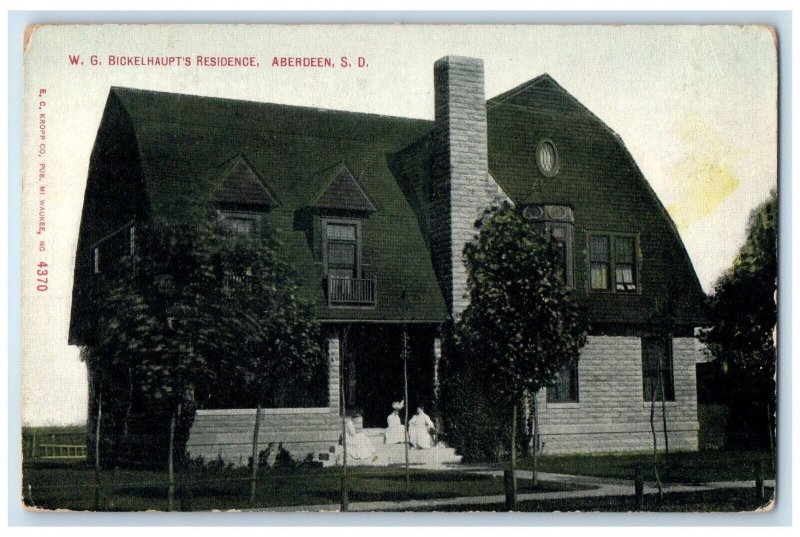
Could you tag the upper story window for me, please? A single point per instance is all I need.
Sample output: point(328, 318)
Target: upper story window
point(599, 261)
point(240, 223)
point(562, 233)
point(108, 251)
point(557, 221)
point(624, 263)
point(612, 262)
point(342, 249)
point(657, 370)
point(547, 158)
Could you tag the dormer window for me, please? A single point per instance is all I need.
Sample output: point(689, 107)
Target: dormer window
point(242, 199)
point(240, 223)
point(342, 248)
point(341, 207)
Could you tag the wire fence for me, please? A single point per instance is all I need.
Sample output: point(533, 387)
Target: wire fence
point(76, 485)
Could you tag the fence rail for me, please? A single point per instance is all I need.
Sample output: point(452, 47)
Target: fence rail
point(62, 451)
point(52, 445)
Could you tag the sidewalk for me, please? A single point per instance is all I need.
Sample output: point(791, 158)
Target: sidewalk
point(601, 487)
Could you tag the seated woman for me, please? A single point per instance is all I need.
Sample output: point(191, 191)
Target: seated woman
point(359, 446)
point(419, 430)
point(395, 432)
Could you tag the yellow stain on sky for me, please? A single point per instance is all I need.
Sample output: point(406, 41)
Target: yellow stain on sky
point(705, 173)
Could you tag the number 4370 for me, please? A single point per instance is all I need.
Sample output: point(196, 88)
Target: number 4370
point(41, 273)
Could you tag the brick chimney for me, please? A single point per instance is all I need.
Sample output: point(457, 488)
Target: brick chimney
point(462, 187)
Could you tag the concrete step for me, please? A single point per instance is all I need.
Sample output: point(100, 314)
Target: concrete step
point(439, 455)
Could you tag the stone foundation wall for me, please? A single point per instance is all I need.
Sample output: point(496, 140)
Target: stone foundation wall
point(611, 413)
point(228, 434)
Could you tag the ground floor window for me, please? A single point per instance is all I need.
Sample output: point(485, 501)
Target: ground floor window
point(657, 368)
point(565, 388)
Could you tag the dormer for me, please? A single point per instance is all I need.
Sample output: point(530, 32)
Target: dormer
point(342, 205)
point(242, 199)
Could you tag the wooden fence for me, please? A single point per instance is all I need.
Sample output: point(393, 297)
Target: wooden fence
point(53, 443)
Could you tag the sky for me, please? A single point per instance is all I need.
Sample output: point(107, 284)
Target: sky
point(695, 105)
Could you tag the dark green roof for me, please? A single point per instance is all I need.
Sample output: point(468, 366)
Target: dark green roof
point(188, 144)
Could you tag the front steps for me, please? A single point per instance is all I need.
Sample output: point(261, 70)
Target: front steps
point(439, 456)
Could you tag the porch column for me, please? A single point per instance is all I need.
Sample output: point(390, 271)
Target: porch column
point(334, 359)
point(437, 359)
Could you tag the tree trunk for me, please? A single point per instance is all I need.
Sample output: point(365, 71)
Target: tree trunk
point(97, 455)
point(664, 400)
point(535, 437)
point(655, 441)
point(510, 475)
point(405, 395)
point(254, 459)
point(344, 503)
point(771, 438)
point(171, 461)
point(514, 438)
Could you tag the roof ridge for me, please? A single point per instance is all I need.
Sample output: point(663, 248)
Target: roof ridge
point(132, 91)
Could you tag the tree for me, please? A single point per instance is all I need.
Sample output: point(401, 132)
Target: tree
point(743, 314)
point(196, 317)
point(522, 325)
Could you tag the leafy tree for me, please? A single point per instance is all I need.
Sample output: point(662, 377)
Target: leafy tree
point(743, 314)
point(522, 325)
point(199, 318)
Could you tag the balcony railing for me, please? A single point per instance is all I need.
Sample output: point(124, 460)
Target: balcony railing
point(343, 291)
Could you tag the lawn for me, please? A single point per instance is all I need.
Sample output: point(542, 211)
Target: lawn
point(679, 467)
point(724, 500)
point(71, 486)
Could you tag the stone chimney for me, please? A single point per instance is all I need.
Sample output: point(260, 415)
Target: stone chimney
point(462, 187)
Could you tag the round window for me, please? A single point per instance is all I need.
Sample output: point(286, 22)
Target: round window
point(547, 158)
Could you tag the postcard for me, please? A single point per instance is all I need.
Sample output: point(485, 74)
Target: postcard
point(399, 268)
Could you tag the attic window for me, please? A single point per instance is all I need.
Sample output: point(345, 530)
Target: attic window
point(240, 223)
point(547, 158)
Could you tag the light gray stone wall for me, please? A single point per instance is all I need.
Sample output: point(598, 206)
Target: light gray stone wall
point(462, 186)
point(611, 414)
point(228, 434)
point(334, 361)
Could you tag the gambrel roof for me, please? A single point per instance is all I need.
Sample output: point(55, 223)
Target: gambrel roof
point(168, 157)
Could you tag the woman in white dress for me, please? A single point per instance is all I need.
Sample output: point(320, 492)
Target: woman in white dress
point(395, 432)
point(419, 430)
point(359, 446)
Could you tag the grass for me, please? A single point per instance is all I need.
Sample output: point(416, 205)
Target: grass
point(721, 500)
point(71, 486)
point(679, 467)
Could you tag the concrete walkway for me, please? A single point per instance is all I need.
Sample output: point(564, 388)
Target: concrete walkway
point(597, 487)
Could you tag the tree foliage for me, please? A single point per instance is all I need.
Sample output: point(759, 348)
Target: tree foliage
point(522, 325)
point(197, 318)
point(743, 315)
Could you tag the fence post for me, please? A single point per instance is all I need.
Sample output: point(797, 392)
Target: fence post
point(511, 489)
point(170, 466)
point(254, 474)
point(760, 494)
point(638, 487)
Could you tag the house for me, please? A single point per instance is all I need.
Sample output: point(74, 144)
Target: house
point(375, 211)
